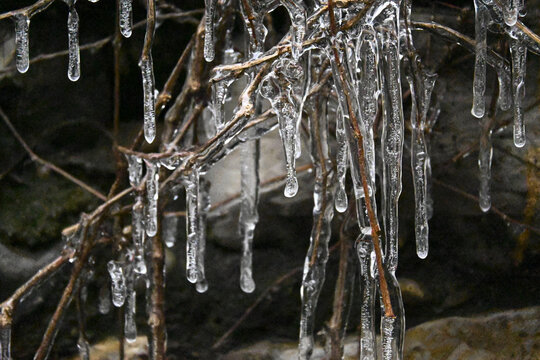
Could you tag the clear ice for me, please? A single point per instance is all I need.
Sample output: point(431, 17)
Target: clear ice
point(126, 17)
point(22, 23)
point(147, 69)
point(74, 65)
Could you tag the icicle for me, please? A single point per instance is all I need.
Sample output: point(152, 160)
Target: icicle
point(22, 23)
point(367, 55)
point(192, 224)
point(505, 93)
point(104, 304)
point(248, 210)
point(519, 57)
point(421, 85)
point(130, 327)
point(286, 73)
point(147, 69)
point(510, 10)
point(485, 154)
point(170, 227)
point(393, 328)
point(126, 17)
point(364, 249)
point(479, 83)
point(5, 342)
point(135, 170)
point(138, 234)
point(342, 158)
point(152, 193)
point(219, 95)
point(74, 66)
point(392, 139)
point(204, 207)
point(209, 14)
point(84, 348)
point(317, 255)
point(118, 282)
point(298, 26)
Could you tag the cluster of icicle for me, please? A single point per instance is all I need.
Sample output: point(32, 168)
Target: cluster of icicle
point(505, 14)
point(365, 64)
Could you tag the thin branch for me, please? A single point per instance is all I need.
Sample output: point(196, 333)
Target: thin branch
point(48, 164)
point(29, 11)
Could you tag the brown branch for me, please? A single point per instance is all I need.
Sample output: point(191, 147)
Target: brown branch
point(375, 230)
point(156, 318)
point(29, 11)
point(47, 164)
point(494, 209)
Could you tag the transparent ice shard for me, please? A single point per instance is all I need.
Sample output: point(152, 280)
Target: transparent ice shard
point(170, 229)
point(209, 41)
point(84, 348)
point(147, 69)
point(22, 23)
point(74, 62)
point(130, 326)
point(152, 194)
point(368, 349)
point(138, 233)
point(342, 158)
point(248, 210)
point(519, 56)
point(485, 154)
point(297, 14)
point(126, 17)
point(204, 208)
point(5, 342)
point(317, 255)
point(135, 170)
point(192, 224)
point(118, 282)
point(479, 82)
point(104, 302)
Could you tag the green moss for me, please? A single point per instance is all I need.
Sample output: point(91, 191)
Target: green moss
point(34, 210)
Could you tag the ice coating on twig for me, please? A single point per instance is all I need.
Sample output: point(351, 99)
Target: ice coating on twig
point(505, 92)
point(152, 194)
point(479, 82)
point(204, 208)
point(118, 282)
point(209, 41)
point(192, 224)
point(364, 249)
point(342, 159)
point(297, 15)
point(126, 17)
point(147, 69)
point(519, 58)
point(485, 154)
point(248, 210)
point(22, 23)
point(74, 62)
point(220, 89)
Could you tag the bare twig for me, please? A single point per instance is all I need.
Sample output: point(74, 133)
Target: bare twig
point(48, 164)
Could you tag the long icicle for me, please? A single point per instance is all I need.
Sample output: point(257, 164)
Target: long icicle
point(479, 82)
point(147, 70)
point(519, 58)
point(392, 328)
point(368, 288)
point(248, 210)
point(74, 65)
point(485, 154)
point(192, 225)
point(317, 254)
point(22, 24)
point(204, 207)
